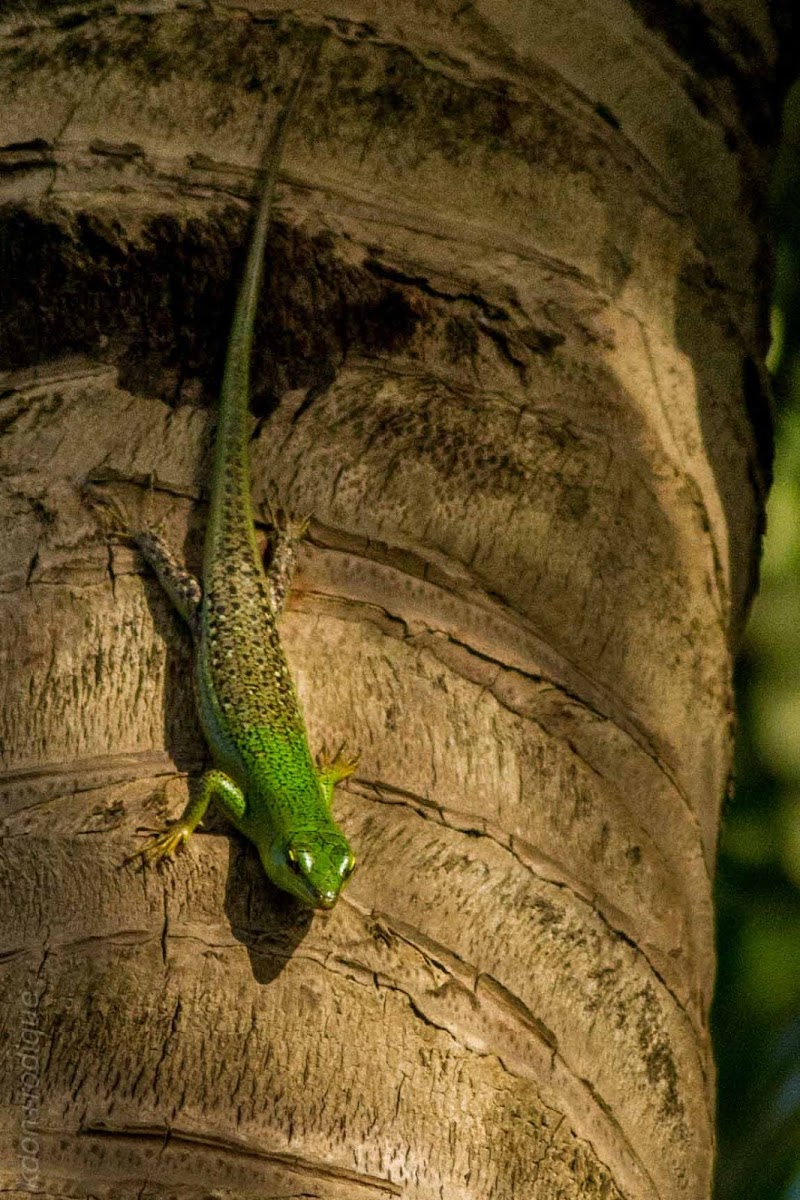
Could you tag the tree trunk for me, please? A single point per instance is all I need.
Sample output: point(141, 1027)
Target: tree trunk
point(508, 358)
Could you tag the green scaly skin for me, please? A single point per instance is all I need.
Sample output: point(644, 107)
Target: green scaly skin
point(266, 780)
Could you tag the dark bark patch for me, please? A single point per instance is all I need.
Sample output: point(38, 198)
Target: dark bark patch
point(719, 51)
point(158, 300)
point(461, 339)
point(160, 303)
point(662, 1071)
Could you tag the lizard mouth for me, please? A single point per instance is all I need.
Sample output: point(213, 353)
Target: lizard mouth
point(326, 899)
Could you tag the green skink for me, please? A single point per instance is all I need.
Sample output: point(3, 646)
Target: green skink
point(265, 779)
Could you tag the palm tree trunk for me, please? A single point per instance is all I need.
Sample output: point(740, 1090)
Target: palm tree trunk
point(508, 359)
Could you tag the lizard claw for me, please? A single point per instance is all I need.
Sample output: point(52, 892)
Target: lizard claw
point(340, 766)
point(297, 527)
point(272, 513)
point(114, 518)
point(109, 511)
point(294, 528)
point(162, 846)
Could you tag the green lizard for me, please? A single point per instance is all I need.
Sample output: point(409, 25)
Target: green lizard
point(264, 778)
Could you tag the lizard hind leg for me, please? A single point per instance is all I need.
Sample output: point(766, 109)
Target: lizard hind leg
point(181, 586)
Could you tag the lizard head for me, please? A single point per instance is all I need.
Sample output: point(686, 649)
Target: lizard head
point(314, 866)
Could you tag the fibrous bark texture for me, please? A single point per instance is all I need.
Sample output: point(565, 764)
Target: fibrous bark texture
point(507, 358)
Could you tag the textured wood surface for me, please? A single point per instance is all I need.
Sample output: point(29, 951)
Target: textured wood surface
point(507, 360)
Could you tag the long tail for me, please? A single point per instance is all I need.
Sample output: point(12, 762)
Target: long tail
point(230, 489)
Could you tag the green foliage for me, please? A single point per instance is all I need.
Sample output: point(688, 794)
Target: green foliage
point(756, 1018)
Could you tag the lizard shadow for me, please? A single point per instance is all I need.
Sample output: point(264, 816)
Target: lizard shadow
point(268, 922)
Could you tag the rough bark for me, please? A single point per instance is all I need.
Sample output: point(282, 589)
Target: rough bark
point(508, 358)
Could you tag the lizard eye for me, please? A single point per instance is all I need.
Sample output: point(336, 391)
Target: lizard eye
point(294, 862)
point(348, 868)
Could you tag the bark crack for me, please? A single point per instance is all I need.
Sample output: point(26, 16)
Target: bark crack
point(443, 575)
point(427, 636)
point(425, 809)
point(300, 1163)
point(485, 991)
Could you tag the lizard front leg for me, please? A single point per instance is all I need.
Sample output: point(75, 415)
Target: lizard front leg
point(214, 785)
point(331, 771)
